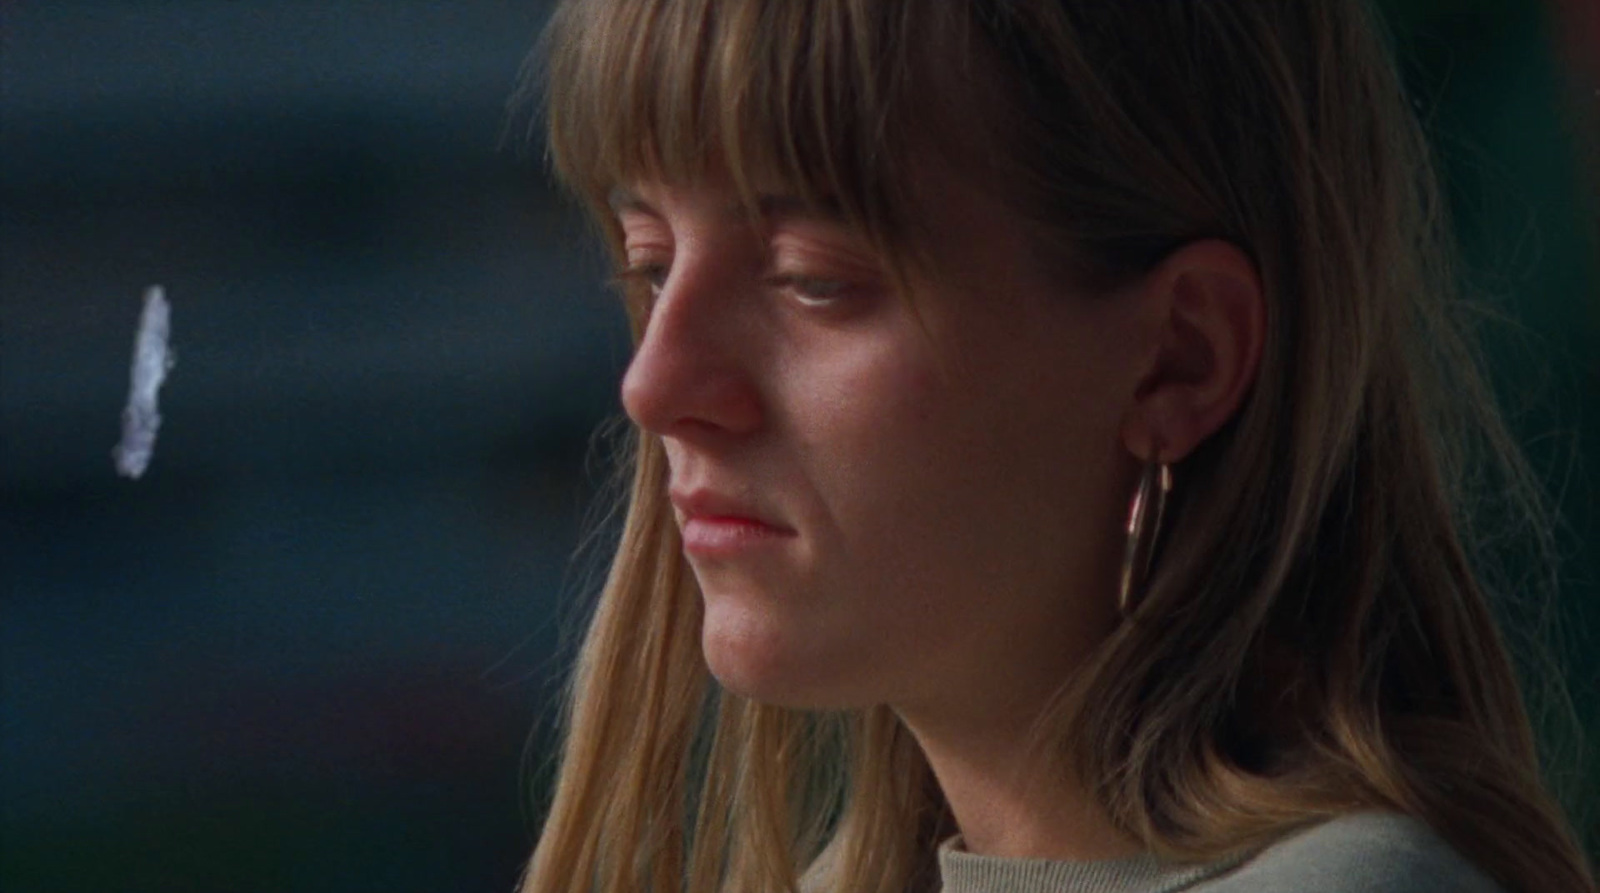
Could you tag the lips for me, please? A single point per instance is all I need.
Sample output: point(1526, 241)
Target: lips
point(708, 505)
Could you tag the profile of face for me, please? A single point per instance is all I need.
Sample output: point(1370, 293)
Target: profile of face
point(949, 494)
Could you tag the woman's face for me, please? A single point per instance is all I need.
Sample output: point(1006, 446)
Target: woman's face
point(950, 500)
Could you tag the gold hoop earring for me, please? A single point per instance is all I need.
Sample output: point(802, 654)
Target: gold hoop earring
point(1144, 528)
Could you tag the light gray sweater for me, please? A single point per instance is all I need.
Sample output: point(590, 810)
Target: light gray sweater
point(1360, 853)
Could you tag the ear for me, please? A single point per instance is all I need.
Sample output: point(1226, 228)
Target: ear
point(1209, 321)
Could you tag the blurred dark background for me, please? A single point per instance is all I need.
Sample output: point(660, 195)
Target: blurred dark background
point(307, 650)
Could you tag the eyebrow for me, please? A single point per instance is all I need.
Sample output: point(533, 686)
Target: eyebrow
point(769, 206)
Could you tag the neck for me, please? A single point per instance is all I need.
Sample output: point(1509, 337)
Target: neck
point(1006, 799)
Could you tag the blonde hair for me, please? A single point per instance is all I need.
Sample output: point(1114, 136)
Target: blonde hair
point(1314, 639)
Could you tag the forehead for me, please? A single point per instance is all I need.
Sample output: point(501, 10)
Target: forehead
point(823, 101)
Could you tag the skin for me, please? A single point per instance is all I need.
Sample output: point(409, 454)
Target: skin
point(957, 494)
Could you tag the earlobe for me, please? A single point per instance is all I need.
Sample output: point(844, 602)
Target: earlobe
point(1206, 349)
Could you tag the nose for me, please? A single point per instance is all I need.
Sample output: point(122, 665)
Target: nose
point(691, 374)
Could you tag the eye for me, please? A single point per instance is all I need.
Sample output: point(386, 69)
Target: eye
point(811, 291)
point(653, 275)
point(821, 267)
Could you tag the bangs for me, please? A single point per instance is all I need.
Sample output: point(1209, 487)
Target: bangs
point(807, 98)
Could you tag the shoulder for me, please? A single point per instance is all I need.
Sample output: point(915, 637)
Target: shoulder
point(1370, 852)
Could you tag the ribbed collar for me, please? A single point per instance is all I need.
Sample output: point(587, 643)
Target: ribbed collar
point(964, 872)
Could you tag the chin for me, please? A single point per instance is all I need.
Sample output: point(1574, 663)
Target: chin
point(761, 663)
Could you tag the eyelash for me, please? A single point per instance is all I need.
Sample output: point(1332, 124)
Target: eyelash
point(811, 291)
point(652, 275)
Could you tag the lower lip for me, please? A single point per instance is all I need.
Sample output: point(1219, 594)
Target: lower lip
point(721, 537)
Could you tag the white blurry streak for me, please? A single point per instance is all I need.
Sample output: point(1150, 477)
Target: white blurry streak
point(151, 361)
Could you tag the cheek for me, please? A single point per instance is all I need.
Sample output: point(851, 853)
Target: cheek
point(900, 465)
point(880, 427)
point(997, 465)
point(852, 407)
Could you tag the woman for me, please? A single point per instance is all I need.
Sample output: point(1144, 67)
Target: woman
point(922, 294)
